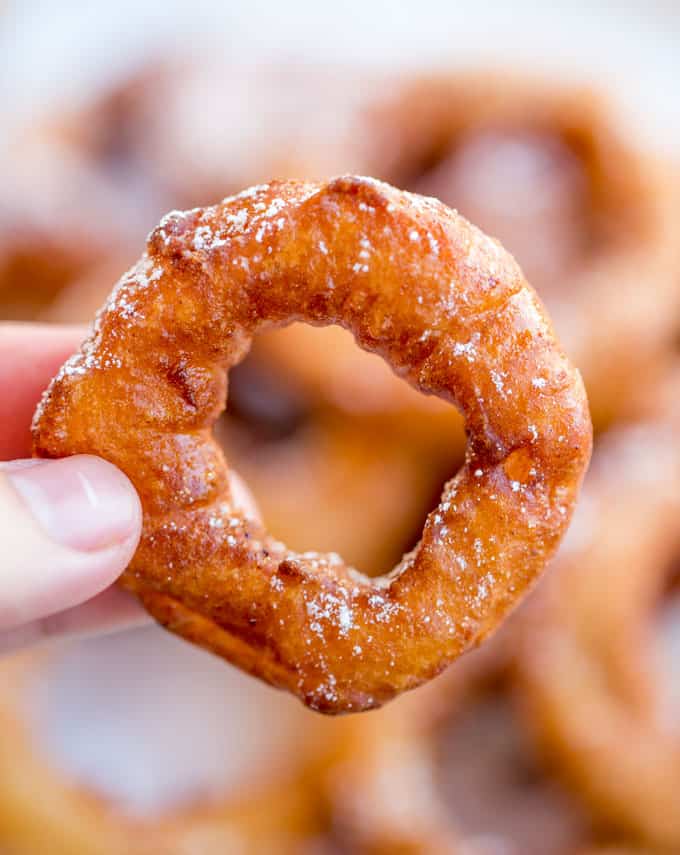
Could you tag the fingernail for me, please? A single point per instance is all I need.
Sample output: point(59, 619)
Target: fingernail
point(82, 502)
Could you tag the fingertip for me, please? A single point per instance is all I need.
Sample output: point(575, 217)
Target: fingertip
point(82, 502)
point(70, 528)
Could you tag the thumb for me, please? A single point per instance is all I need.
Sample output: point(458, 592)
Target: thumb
point(69, 528)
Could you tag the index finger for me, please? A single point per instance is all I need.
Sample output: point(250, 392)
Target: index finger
point(30, 355)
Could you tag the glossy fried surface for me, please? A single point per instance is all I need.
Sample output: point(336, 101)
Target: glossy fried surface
point(448, 309)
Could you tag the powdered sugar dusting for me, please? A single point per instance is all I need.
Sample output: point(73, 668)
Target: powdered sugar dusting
point(260, 217)
point(330, 608)
point(123, 302)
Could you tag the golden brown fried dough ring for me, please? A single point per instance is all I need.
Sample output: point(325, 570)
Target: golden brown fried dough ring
point(587, 665)
point(448, 309)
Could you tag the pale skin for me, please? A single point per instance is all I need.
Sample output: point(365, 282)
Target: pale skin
point(68, 528)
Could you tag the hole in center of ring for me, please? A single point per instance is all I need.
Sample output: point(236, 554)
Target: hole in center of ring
point(340, 453)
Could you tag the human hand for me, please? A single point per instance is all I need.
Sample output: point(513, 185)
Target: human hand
point(68, 527)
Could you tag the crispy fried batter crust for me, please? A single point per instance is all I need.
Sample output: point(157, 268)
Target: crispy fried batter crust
point(448, 309)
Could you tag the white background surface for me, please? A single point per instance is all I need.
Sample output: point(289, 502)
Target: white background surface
point(52, 49)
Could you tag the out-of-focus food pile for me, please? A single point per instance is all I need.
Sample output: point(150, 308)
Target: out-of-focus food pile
point(558, 735)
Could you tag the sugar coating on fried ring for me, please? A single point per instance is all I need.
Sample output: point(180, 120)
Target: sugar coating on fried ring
point(448, 309)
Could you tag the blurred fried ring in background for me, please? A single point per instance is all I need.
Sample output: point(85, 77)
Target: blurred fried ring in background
point(162, 772)
point(551, 172)
point(599, 699)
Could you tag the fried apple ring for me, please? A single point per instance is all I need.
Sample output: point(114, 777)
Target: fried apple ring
point(448, 309)
point(587, 664)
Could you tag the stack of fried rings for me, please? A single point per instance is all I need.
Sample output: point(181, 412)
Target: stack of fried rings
point(586, 662)
point(186, 312)
point(314, 363)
